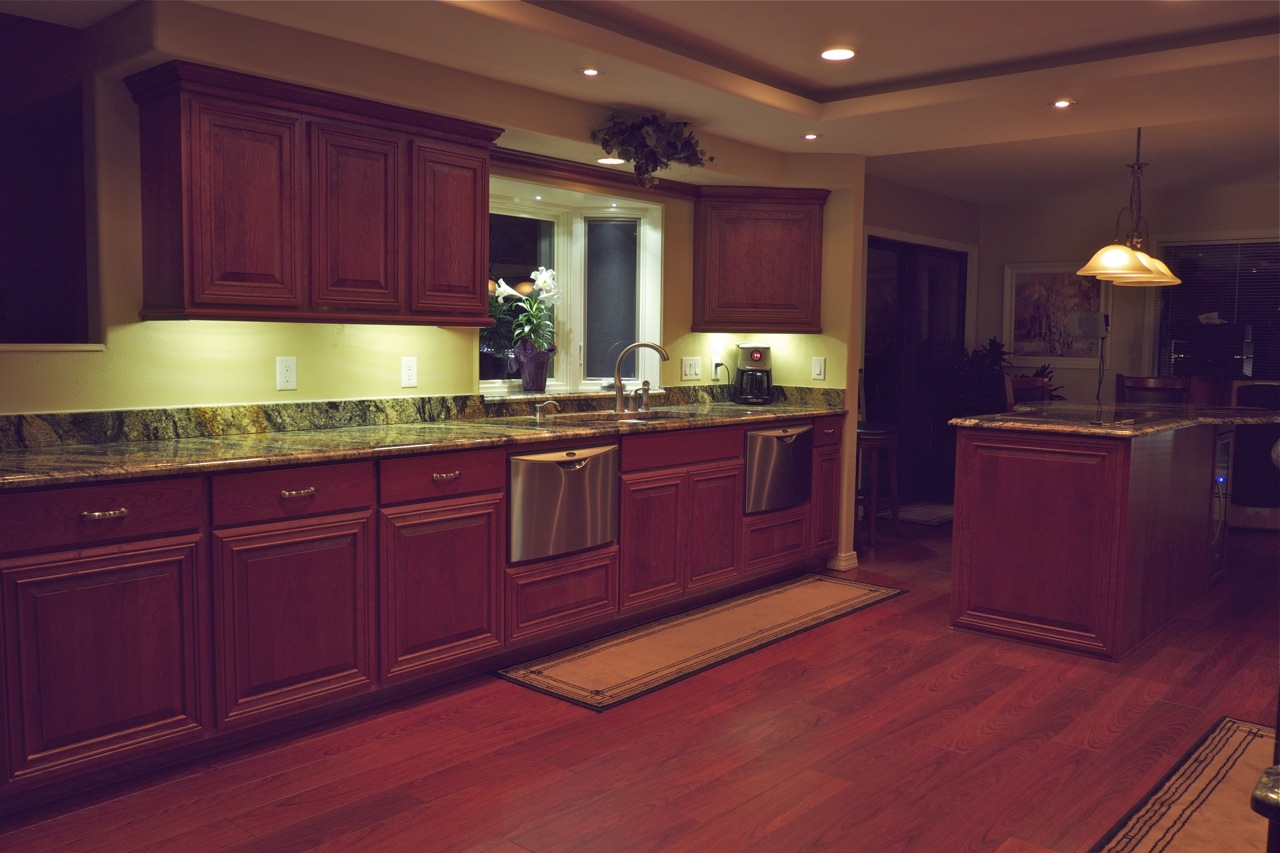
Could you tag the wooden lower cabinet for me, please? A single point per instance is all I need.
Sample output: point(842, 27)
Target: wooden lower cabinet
point(825, 503)
point(678, 530)
point(293, 615)
point(773, 540)
point(440, 599)
point(561, 593)
point(102, 658)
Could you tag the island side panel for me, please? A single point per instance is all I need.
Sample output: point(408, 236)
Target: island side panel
point(1039, 537)
point(1170, 526)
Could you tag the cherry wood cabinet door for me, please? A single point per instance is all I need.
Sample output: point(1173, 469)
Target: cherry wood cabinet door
point(652, 564)
point(293, 615)
point(715, 515)
point(441, 573)
point(557, 594)
point(757, 260)
point(246, 213)
point(449, 231)
point(825, 503)
point(357, 218)
point(102, 655)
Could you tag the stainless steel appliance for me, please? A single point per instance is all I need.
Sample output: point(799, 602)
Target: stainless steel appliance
point(562, 501)
point(779, 467)
point(753, 385)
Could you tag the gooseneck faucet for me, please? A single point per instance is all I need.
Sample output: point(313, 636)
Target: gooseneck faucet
point(619, 393)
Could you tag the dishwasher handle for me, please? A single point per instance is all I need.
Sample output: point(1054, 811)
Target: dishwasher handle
point(785, 435)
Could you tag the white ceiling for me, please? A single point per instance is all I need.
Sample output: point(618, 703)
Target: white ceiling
point(946, 95)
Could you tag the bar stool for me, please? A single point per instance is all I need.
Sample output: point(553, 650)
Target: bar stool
point(876, 441)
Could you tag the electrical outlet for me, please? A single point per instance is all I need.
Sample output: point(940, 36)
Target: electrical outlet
point(819, 367)
point(286, 373)
point(409, 371)
point(690, 368)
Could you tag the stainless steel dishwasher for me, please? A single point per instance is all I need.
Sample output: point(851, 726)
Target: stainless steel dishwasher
point(779, 467)
point(562, 501)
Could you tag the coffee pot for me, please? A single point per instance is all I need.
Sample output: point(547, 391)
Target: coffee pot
point(753, 385)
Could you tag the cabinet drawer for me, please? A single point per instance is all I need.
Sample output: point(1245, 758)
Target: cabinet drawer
point(560, 596)
point(685, 447)
point(443, 475)
point(289, 492)
point(79, 515)
point(827, 430)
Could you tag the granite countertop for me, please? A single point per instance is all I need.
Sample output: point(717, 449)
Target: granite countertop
point(1117, 421)
point(87, 463)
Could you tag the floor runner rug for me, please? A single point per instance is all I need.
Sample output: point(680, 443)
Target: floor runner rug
point(922, 513)
point(606, 672)
point(1203, 804)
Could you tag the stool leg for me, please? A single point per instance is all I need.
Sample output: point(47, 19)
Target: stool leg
point(893, 487)
point(872, 490)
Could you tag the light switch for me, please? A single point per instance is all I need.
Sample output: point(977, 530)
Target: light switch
point(819, 367)
point(690, 368)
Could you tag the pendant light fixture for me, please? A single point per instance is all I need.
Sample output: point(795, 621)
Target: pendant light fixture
point(1124, 263)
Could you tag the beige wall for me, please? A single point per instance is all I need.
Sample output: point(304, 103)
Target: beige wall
point(162, 364)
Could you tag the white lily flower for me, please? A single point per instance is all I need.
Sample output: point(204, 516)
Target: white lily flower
point(504, 292)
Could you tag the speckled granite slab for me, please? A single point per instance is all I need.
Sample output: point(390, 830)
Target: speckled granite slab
point(162, 442)
point(1123, 421)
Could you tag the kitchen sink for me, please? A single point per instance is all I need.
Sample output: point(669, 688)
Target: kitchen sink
point(615, 417)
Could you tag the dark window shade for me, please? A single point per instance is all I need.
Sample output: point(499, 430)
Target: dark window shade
point(611, 265)
point(1238, 281)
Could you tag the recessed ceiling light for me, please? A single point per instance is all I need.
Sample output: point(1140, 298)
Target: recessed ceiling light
point(1062, 103)
point(812, 136)
point(837, 54)
point(590, 72)
point(611, 161)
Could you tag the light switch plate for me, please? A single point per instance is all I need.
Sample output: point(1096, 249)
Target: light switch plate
point(819, 367)
point(691, 368)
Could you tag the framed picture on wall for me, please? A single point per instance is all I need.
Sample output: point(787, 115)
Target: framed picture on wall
point(1050, 315)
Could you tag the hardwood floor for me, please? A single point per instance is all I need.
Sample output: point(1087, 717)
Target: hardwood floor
point(885, 730)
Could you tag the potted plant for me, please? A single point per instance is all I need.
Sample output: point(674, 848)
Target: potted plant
point(650, 143)
point(529, 310)
point(497, 342)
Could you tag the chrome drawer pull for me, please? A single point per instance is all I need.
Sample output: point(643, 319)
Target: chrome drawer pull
point(829, 430)
point(101, 516)
point(452, 475)
point(300, 493)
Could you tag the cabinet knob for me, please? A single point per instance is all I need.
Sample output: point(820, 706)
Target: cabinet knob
point(829, 430)
point(299, 493)
point(105, 514)
point(452, 475)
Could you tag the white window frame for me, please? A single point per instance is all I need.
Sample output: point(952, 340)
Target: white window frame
point(569, 210)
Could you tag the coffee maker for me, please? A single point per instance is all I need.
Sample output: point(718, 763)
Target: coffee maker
point(753, 386)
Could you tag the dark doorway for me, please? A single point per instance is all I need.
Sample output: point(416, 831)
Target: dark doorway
point(914, 330)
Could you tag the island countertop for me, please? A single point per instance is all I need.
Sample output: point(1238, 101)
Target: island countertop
point(1119, 421)
point(86, 463)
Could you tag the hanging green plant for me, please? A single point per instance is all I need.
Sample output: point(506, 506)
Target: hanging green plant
point(649, 144)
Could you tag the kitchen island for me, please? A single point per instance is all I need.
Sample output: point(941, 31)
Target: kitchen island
point(1088, 528)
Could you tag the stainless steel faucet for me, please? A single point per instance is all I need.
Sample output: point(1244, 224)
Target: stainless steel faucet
point(539, 409)
point(619, 392)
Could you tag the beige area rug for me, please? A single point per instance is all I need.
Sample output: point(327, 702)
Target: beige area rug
point(1203, 804)
point(601, 674)
point(922, 513)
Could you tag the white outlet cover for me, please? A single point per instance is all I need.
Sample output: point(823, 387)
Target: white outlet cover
point(409, 371)
point(286, 373)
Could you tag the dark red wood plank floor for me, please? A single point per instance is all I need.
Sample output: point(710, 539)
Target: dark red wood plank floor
point(885, 730)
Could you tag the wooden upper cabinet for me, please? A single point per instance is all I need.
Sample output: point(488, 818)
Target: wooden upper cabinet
point(449, 220)
point(757, 259)
point(357, 223)
point(265, 200)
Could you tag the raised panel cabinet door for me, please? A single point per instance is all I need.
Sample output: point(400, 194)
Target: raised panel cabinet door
point(246, 212)
point(825, 503)
point(441, 583)
point(651, 537)
point(757, 260)
point(449, 232)
point(102, 655)
point(715, 519)
point(292, 615)
point(357, 218)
